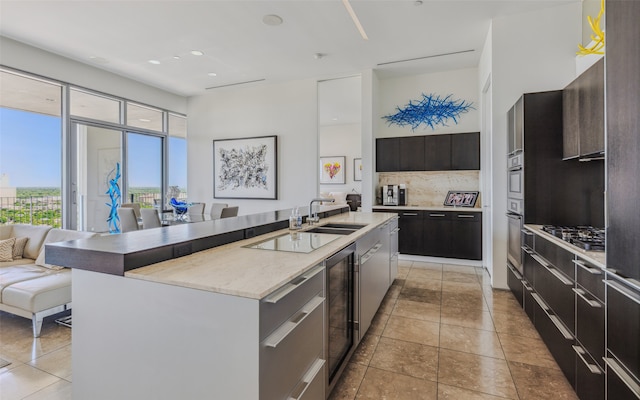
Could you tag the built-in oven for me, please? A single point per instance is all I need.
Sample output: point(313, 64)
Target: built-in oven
point(515, 177)
point(514, 241)
point(340, 296)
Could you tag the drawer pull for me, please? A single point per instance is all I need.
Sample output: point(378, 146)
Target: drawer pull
point(437, 215)
point(553, 271)
point(592, 367)
point(466, 216)
point(593, 271)
point(367, 256)
point(540, 302)
point(308, 378)
point(581, 293)
point(291, 286)
point(624, 377)
point(623, 291)
point(540, 260)
point(526, 232)
point(527, 250)
point(526, 286)
point(556, 321)
point(285, 329)
point(396, 230)
point(409, 214)
point(515, 272)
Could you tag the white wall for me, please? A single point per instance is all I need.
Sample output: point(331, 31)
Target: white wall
point(342, 140)
point(288, 110)
point(530, 52)
point(36, 61)
point(462, 84)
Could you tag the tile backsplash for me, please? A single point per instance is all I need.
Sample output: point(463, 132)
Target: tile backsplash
point(429, 188)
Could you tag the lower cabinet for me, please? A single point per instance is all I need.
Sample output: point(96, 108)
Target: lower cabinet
point(448, 234)
point(514, 281)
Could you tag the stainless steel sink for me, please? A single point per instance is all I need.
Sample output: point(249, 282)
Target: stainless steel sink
point(336, 228)
point(354, 227)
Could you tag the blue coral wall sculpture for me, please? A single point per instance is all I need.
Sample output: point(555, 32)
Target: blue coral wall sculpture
point(431, 110)
point(115, 195)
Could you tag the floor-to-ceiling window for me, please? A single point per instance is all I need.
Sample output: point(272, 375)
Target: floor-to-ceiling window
point(57, 173)
point(30, 150)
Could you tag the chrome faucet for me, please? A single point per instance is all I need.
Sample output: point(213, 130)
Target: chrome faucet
point(313, 216)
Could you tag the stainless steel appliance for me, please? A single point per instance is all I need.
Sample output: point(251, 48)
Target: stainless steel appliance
point(585, 237)
point(340, 335)
point(390, 195)
point(515, 177)
point(514, 242)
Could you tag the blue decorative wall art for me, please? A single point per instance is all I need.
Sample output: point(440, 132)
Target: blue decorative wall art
point(115, 195)
point(431, 110)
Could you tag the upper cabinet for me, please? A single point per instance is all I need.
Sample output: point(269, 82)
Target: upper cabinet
point(429, 153)
point(583, 114)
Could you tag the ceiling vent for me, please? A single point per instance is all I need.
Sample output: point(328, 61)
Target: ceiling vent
point(424, 58)
point(235, 84)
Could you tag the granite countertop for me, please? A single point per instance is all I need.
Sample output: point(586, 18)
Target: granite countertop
point(429, 208)
point(253, 273)
point(598, 258)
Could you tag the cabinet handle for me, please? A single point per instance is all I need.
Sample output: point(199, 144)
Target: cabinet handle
point(592, 367)
point(581, 293)
point(515, 272)
point(526, 232)
point(556, 321)
point(466, 216)
point(395, 231)
point(437, 215)
point(553, 271)
point(623, 291)
point(309, 377)
point(624, 377)
point(527, 250)
point(540, 302)
point(285, 329)
point(409, 214)
point(593, 271)
point(370, 253)
point(527, 286)
point(291, 286)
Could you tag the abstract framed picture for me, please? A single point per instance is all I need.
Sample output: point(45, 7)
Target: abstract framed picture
point(461, 198)
point(246, 168)
point(357, 169)
point(332, 170)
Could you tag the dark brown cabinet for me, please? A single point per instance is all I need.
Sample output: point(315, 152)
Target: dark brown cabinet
point(437, 152)
point(388, 155)
point(448, 234)
point(412, 153)
point(583, 114)
point(429, 153)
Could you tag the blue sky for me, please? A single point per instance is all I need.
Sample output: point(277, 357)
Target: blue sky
point(30, 153)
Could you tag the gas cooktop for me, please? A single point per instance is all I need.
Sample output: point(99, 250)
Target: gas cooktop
point(585, 237)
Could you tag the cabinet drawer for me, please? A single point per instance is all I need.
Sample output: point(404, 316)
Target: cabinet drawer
point(589, 377)
point(280, 305)
point(623, 323)
point(438, 215)
point(556, 255)
point(590, 324)
point(291, 350)
point(590, 277)
point(514, 281)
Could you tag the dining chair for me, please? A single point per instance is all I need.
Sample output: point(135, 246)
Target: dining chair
point(128, 220)
point(150, 218)
point(135, 206)
point(216, 210)
point(229, 212)
point(196, 209)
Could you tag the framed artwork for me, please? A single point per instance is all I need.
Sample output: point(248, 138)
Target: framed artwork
point(332, 170)
point(357, 169)
point(461, 199)
point(245, 168)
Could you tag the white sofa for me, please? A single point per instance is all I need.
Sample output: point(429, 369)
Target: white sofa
point(28, 286)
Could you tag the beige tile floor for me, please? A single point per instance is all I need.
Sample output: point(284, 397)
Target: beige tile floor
point(441, 333)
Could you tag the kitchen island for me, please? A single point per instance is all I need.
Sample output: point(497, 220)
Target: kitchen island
point(229, 322)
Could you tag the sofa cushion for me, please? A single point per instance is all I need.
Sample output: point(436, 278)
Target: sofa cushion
point(18, 247)
point(60, 235)
point(36, 235)
point(5, 231)
point(6, 249)
point(20, 261)
point(40, 294)
point(19, 273)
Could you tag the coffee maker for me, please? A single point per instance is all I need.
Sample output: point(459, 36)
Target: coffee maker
point(390, 195)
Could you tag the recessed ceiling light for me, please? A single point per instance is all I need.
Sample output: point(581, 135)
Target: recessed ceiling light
point(176, 57)
point(197, 53)
point(272, 20)
point(154, 62)
point(212, 74)
point(334, 118)
point(144, 120)
point(318, 56)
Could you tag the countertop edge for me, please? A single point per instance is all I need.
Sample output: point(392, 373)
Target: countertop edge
point(590, 256)
point(428, 208)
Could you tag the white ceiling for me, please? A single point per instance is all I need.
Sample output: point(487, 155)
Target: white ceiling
point(121, 36)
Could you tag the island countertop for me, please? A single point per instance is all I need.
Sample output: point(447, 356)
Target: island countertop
point(253, 273)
